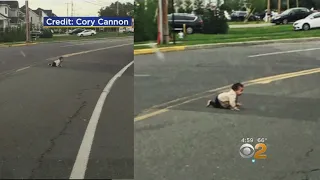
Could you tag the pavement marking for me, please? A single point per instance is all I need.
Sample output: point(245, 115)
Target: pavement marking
point(94, 50)
point(80, 165)
point(23, 54)
point(141, 75)
point(66, 55)
point(21, 69)
point(202, 95)
point(95, 42)
point(283, 52)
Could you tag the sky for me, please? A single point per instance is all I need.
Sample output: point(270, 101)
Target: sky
point(81, 7)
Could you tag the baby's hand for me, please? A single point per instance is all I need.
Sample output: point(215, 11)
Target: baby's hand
point(235, 109)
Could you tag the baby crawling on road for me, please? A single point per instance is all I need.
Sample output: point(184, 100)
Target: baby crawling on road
point(56, 63)
point(228, 100)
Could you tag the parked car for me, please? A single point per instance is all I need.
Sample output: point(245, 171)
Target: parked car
point(241, 16)
point(87, 33)
point(310, 22)
point(126, 30)
point(36, 33)
point(76, 31)
point(193, 22)
point(291, 15)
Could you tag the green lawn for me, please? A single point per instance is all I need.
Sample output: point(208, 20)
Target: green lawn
point(248, 34)
point(74, 37)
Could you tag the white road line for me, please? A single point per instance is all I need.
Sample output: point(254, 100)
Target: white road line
point(21, 69)
point(284, 52)
point(71, 45)
point(80, 165)
point(66, 55)
point(23, 54)
point(93, 50)
point(95, 42)
point(141, 75)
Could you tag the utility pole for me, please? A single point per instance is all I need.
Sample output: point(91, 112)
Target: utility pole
point(118, 15)
point(160, 22)
point(172, 25)
point(165, 22)
point(72, 8)
point(27, 22)
point(67, 9)
point(297, 2)
point(67, 14)
point(288, 4)
point(279, 6)
point(117, 8)
point(269, 11)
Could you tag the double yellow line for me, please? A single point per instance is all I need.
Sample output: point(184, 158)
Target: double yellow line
point(265, 80)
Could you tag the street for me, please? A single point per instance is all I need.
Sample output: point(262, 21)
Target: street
point(45, 111)
point(177, 137)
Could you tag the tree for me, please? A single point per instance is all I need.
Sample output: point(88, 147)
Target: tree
point(170, 9)
point(258, 5)
point(209, 4)
point(233, 4)
point(188, 6)
point(145, 24)
point(316, 4)
point(179, 6)
point(225, 7)
point(218, 3)
point(199, 7)
point(306, 3)
point(124, 9)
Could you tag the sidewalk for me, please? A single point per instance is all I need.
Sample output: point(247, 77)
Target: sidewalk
point(250, 25)
point(154, 43)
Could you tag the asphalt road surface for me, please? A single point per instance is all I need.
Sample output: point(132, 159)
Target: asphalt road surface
point(44, 111)
point(190, 141)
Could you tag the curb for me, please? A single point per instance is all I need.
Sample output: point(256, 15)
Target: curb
point(163, 49)
point(22, 44)
point(219, 45)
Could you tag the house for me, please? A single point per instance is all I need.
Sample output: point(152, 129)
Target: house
point(9, 14)
point(36, 17)
point(41, 14)
point(4, 18)
point(48, 12)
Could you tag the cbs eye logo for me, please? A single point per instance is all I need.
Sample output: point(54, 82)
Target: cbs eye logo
point(247, 151)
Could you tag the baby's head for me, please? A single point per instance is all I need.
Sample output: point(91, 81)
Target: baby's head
point(238, 88)
point(61, 58)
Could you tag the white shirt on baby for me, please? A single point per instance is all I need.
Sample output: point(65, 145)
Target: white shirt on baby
point(228, 99)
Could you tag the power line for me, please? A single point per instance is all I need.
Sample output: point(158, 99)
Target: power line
point(67, 8)
point(92, 3)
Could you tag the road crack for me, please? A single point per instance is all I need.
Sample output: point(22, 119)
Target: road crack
point(308, 153)
point(306, 173)
point(52, 141)
point(80, 94)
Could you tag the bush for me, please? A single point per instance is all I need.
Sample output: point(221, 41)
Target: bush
point(12, 34)
point(46, 33)
point(214, 22)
